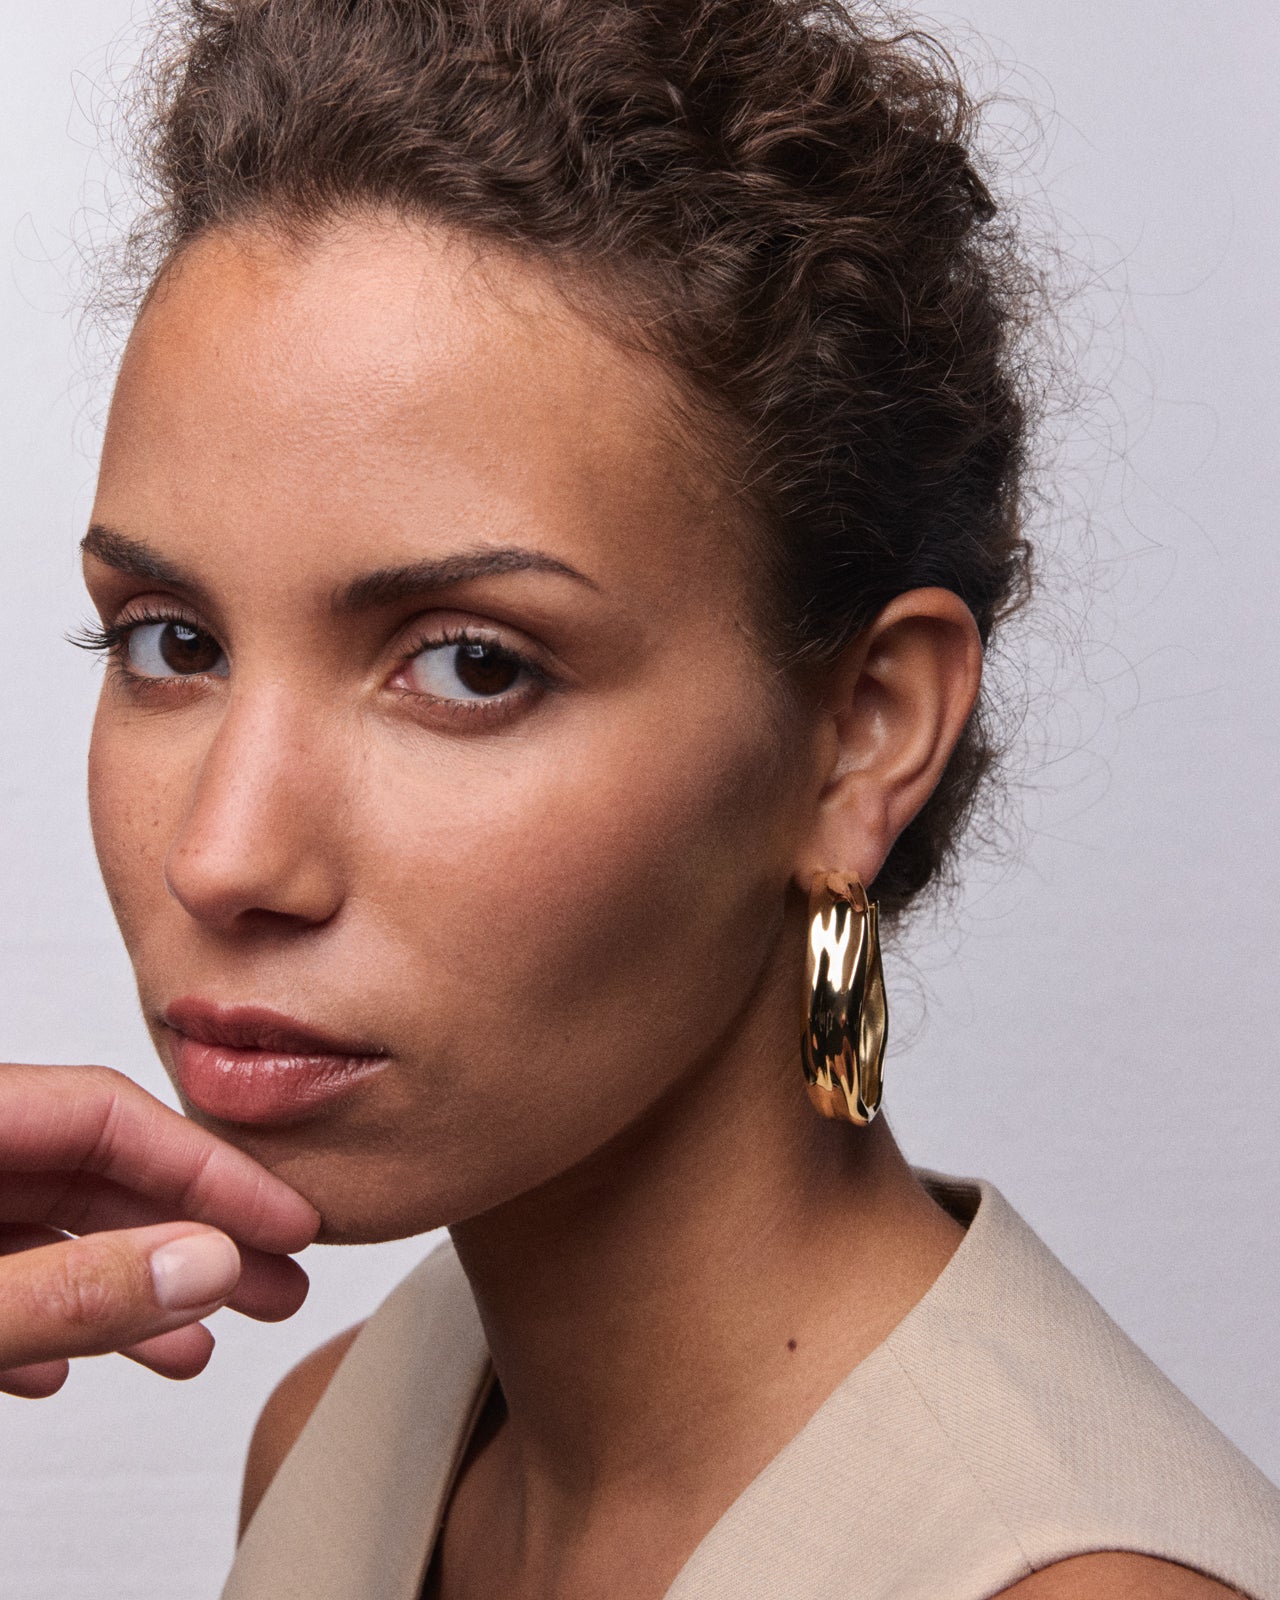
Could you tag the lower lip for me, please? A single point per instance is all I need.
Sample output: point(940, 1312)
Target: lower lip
point(265, 1086)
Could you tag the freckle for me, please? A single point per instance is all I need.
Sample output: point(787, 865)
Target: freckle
point(791, 1344)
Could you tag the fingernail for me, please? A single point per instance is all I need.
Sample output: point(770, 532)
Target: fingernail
point(194, 1271)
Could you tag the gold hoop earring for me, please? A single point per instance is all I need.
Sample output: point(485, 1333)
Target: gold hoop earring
point(846, 1014)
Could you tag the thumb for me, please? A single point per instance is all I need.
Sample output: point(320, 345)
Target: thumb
point(88, 1296)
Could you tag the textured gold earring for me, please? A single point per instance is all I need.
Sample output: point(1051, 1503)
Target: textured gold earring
point(846, 1015)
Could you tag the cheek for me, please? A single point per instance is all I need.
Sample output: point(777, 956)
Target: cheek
point(570, 854)
point(586, 923)
point(141, 774)
point(126, 814)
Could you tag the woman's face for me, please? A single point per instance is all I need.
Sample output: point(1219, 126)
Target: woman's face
point(441, 790)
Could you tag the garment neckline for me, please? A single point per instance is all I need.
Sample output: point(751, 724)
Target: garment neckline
point(968, 1201)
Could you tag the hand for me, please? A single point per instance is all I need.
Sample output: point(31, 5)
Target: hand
point(172, 1224)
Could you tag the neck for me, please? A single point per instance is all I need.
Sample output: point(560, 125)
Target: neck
point(664, 1318)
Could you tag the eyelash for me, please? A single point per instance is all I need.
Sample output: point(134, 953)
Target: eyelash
point(111, 638)
point(458, 635)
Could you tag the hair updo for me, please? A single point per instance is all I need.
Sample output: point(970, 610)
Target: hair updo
point(787, 196)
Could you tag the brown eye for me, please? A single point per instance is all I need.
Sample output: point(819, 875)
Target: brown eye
point(485, 670)
point(465, 669)
point(173, 649)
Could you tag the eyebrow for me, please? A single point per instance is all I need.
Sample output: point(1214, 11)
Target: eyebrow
point(387, 585)
point(132, 556)
point(382, 587)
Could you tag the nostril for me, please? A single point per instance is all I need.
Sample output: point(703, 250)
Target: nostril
point(261, 920)
point(282, 883)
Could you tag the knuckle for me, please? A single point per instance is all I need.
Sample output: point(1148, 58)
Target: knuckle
point(80, 1289)
point(110, 1079)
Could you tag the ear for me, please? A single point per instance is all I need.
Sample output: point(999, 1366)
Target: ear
point(892, 709)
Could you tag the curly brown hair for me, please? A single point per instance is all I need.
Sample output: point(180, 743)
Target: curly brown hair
point(786, 188)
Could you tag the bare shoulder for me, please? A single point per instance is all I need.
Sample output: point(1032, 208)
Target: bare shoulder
point(1117, 1575)
point(284, 1416)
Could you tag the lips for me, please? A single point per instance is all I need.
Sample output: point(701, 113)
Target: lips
point(250, 1064)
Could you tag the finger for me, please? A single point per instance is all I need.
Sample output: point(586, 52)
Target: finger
point(36, 1382)
point(107, 1291)
point(98, 1121)
point(270, 1289)
point(76, 1202)
point(180, 1353)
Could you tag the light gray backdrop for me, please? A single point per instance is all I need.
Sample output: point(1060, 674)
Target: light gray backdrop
point(1095, 1031)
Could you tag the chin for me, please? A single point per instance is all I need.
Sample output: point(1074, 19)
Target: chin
point(387, 1168)
point(366, 1190)
point(363, 1196)
point(356, 1209)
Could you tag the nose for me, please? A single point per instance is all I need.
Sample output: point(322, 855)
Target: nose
point(255, 843)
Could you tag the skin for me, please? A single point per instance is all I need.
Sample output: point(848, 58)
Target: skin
point(572, 919)
point(83, 1151)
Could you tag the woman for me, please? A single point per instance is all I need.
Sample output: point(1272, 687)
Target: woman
point(559, 488)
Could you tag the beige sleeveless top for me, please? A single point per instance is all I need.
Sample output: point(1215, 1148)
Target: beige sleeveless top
point(1005, 1423)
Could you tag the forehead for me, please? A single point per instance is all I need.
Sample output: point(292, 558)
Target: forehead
point(397, 386)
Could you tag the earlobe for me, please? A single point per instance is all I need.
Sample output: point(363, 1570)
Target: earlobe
point(897, 704)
